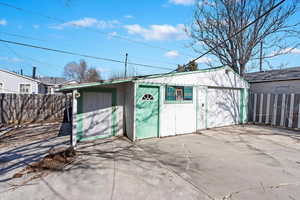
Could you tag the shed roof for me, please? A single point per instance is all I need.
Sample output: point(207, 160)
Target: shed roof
point(131, 79)
point(292, 73)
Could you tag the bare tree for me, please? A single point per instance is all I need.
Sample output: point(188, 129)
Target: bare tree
point(217, 20)
point(92, 75)
point(81, 72)
point(191, 66)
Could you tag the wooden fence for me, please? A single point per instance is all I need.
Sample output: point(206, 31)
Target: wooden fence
point(275, 109)
point(28, 108)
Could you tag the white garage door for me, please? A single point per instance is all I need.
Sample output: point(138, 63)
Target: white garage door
point(223, 107)
point(97, 117)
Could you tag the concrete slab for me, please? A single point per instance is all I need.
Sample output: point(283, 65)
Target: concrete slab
point(249, 162)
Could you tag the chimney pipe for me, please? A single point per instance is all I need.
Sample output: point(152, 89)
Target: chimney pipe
point(21, 71)
point(33, 72)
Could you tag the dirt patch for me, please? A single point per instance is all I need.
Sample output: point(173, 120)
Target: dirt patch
point(56, 160)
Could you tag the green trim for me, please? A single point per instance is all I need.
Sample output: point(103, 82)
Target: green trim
point(243, 105)
point(206, 108)
point(79, 117)
point(86, 85)
point(80, 114)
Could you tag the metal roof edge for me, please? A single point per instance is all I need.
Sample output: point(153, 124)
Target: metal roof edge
point(93, 84)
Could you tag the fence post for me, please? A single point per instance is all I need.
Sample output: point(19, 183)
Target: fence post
point(1, 109)
point(275, 110)
point(254, 109)
point(268, 108)
point(291, 113)
point(282, 110)
point(261, 107)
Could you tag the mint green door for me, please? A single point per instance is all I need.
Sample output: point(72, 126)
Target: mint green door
point(147, 112)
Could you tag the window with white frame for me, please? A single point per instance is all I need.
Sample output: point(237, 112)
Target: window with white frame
point(1, 88)
point(25, 88)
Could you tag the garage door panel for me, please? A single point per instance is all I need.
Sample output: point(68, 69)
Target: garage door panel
point(97, 114)
point(223, 107)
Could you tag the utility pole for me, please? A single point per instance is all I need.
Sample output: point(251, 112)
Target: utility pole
point(261, 56)
point(126, 58)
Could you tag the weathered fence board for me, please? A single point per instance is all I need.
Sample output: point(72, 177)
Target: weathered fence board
point(26, 108)
point(275, 109)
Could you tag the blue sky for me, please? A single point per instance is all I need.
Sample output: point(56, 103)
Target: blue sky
point(156, 22)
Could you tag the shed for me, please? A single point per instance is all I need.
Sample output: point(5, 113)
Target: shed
point(159, 105)
point(276, 81)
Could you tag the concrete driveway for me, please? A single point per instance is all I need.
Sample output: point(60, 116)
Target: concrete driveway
point(250, 162)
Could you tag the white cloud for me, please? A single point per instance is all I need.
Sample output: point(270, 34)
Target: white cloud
point(129, 16)
point(172, 54)
point(11, 60)
point(206, 3)
point(36, 26)
point(286, 51)
point(183, 2)
point(204, 60)
point(89, 22)
point(3, 22)
point(158, 32)
point(112, 34)
point(290, 50)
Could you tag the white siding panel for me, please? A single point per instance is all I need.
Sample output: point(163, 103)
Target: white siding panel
point(223, 107)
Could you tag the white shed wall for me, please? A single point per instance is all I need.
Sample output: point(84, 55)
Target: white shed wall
point(177, 118)
point(129, 110)
point(223, 107)
point(222, 77)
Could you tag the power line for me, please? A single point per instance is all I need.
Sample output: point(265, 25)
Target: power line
point(81, 55)
point(238, 32)
point(21, 36)
point(97, 31)
point(27, 57)
point(32, 38)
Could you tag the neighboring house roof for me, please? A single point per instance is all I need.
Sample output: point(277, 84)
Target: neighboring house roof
point(130, 79)
point(274, 75)
point(52, 80)
point(56, 81)
point(19, 75)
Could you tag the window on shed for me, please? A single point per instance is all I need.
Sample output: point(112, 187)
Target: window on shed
point(147, 97)
point(25, 88)
point(179, 93)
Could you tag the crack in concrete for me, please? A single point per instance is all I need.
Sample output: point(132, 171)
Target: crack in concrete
point(230, 195)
